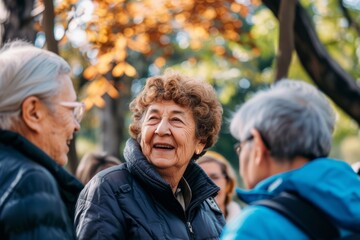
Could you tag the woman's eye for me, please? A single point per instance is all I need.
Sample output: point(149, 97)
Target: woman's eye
point(152, 119)
point(177, 120)
point(215, 177)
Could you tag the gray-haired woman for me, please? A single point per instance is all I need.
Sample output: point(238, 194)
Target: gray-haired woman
point(38, 117)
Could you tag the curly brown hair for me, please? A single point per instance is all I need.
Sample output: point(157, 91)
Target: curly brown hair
point(197, 95)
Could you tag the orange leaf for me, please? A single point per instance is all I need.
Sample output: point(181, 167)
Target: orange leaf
point(99, 102)
point(103, 67)
point(160, 61)
point(219, 50)
point(120, 42)
point(128, 32)
point(88, 103)
point(119, 69)
point(112, 91)
point(130, 70)
point(96, 87)
point(209, 13)
point(90, 72)
point(120, 55)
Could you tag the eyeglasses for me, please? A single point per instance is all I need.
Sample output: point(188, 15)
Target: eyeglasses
point(238, 146)
point(78, 109)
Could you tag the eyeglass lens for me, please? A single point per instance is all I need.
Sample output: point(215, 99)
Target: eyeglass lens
point(238, 146)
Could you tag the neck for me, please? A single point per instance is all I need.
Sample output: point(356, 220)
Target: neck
point(172, 177)
point(283, 166)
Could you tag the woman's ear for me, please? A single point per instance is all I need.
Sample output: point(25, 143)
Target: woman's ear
point(199, 148)
point(261, 151)
point(33, 112)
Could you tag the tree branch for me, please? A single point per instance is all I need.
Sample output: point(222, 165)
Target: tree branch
point(286, 38)
point(325, 72)
point(348, 17)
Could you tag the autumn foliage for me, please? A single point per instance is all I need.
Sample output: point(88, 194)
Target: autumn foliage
point(151, 28)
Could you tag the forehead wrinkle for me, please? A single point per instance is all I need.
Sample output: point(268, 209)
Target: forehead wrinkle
point(155, 110)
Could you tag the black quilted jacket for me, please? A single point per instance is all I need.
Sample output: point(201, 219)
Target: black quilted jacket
point(132, 201)
point(37, 196)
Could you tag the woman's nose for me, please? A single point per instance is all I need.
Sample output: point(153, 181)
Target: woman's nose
point(163, 128)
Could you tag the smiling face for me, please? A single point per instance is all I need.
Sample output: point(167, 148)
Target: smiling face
point(52, 128)
point(168, 137)
point(61, 125)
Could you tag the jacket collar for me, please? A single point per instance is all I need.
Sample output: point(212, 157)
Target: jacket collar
point(201, 185)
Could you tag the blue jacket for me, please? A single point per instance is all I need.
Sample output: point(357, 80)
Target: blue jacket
point(37, 196)
point(132, 201)
point(329, 184)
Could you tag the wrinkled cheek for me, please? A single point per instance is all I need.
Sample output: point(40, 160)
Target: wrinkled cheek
point(145, 148)
point(244, 172)
point(145, 137)
point(220, 197)
point(242, 169)
point(51, 150)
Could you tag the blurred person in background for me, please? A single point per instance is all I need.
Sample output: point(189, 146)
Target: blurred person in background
point(159, 192)
point(92, 163)
point(350, 151)
point(285, 136)
point(38, 117)
point(223, 175)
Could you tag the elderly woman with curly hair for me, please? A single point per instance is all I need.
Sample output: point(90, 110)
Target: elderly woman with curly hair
point(159, 192)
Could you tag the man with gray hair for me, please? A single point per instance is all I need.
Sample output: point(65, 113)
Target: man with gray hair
point(38, 117)
point(285, 136)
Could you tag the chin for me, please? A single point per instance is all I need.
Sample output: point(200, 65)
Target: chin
point(161, 164)
point(62, 161)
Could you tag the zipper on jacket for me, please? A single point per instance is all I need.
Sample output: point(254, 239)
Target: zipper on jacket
point(190, 227)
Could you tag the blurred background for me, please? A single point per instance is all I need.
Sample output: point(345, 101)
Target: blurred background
point(239, 46)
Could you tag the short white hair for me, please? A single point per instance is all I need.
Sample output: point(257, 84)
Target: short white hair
point(293, 118)
point(26, 71)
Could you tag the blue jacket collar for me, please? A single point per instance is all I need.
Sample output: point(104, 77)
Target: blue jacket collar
point(330, 184)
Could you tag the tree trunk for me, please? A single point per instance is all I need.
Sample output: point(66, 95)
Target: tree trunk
point(113, 119)
point(48, 25)
point(113, 124)
point(110, 127)
point(325, 72)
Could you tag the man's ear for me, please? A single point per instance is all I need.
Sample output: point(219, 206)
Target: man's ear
point(261, 151)
point(33, 111)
